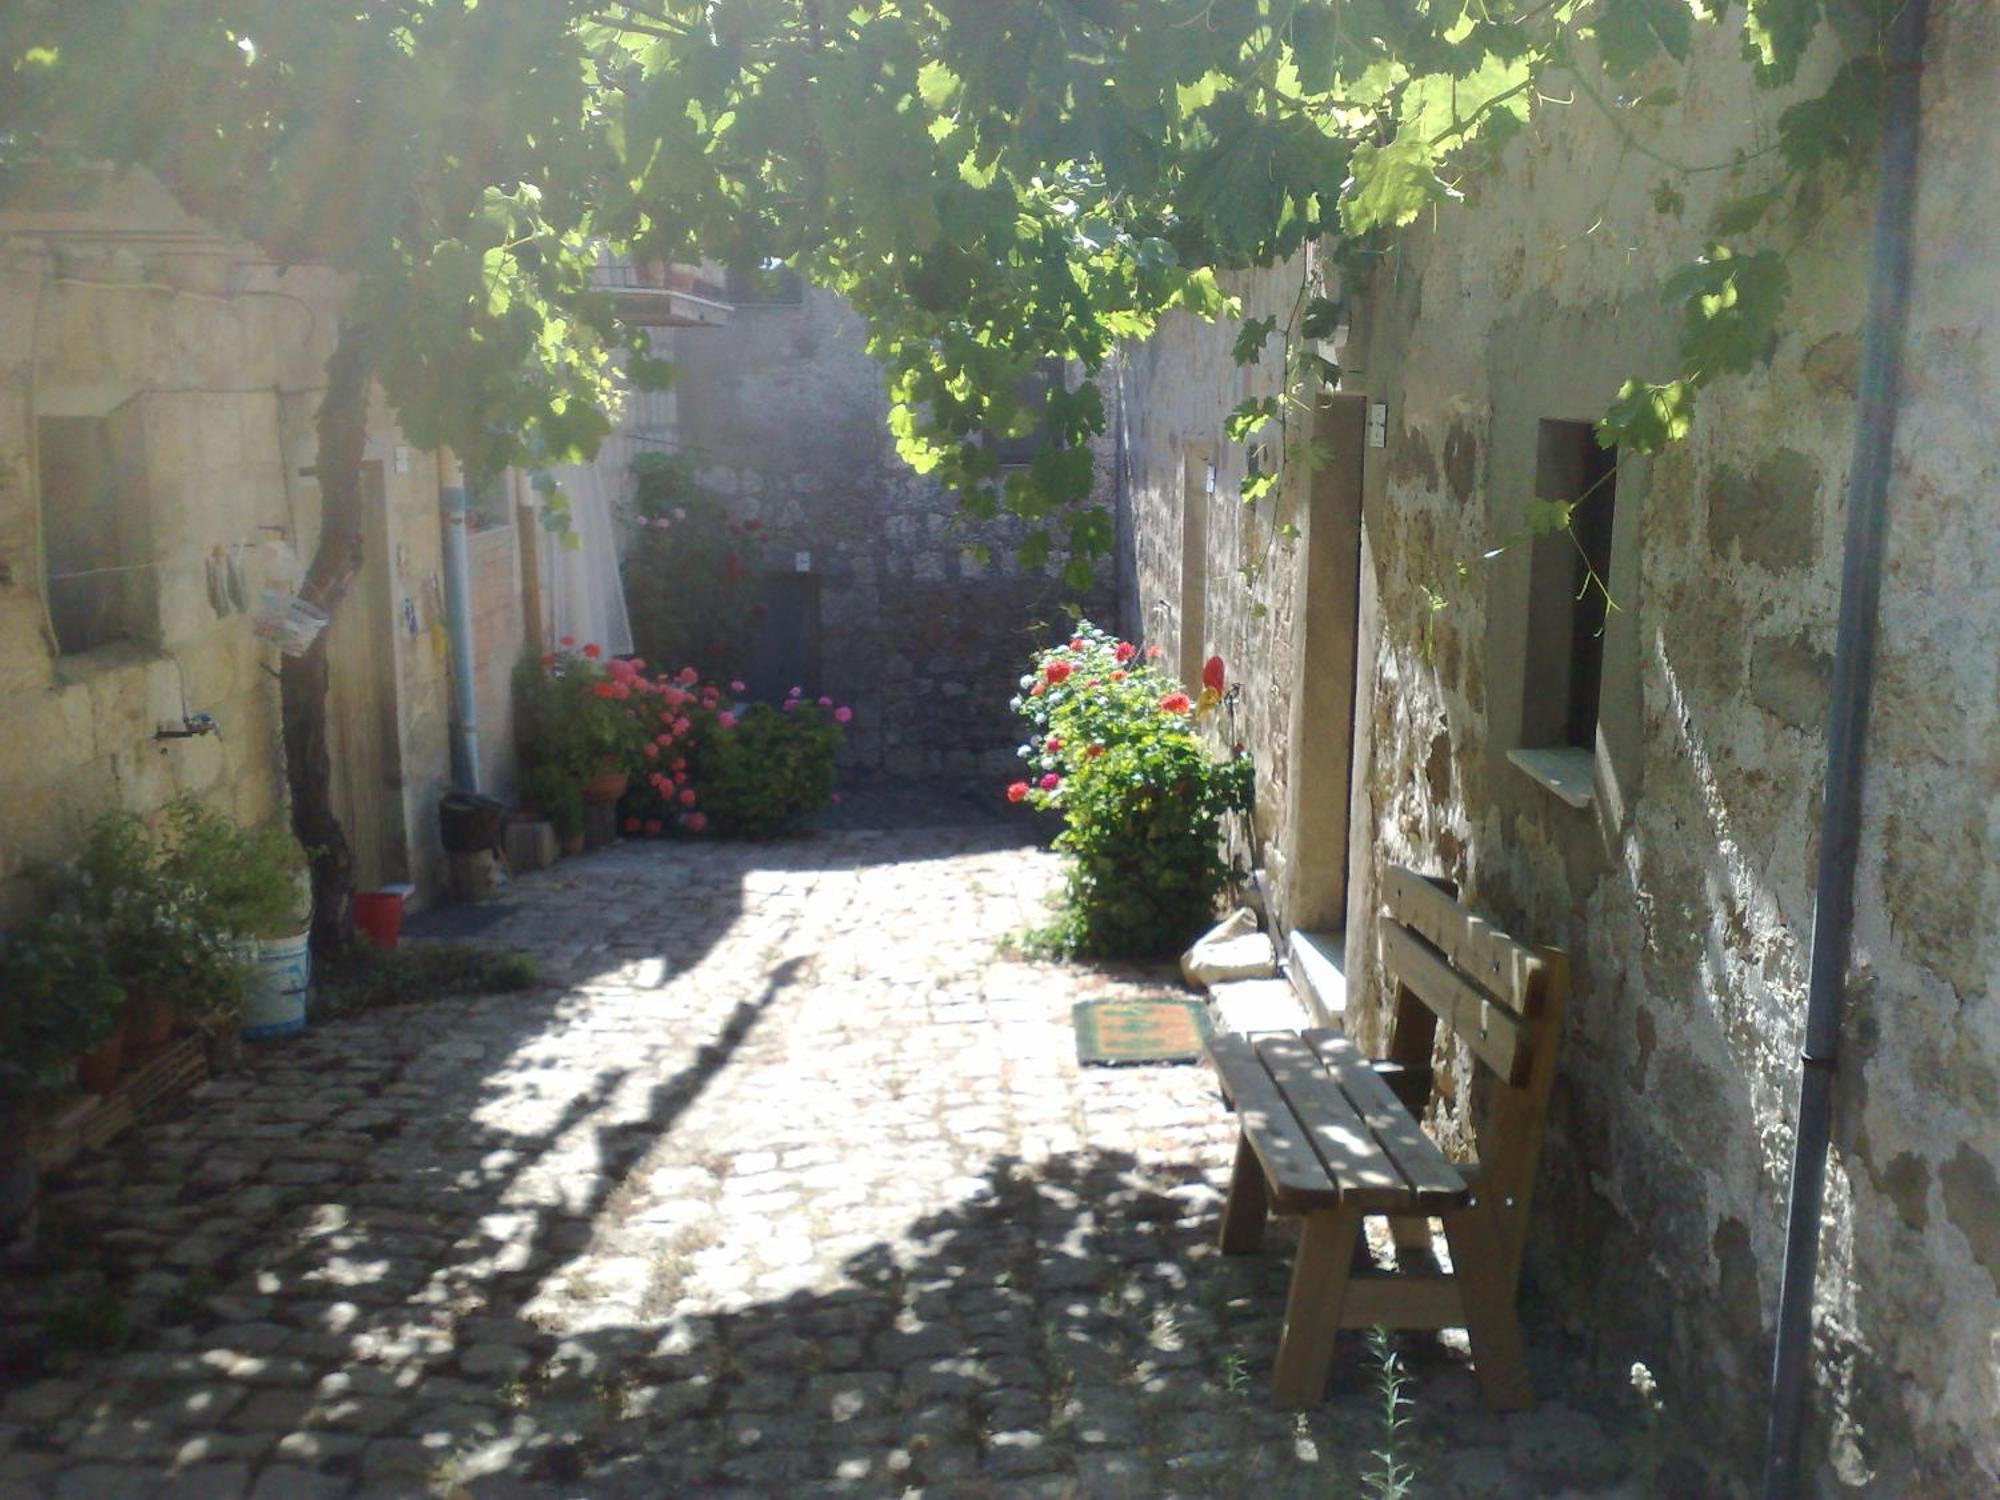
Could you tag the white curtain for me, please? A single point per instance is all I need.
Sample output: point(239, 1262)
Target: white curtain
point(586, 597)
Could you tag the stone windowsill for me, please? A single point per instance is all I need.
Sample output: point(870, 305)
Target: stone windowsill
point(1567, 772)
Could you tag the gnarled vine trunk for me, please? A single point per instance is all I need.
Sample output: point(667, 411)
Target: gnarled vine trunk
point(342, 425)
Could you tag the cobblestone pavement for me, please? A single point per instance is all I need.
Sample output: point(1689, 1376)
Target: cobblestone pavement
point(786, 1183)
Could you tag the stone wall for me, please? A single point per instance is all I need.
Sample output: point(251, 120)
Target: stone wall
point(1683, 890)
point(786, 414)
point(206, 363)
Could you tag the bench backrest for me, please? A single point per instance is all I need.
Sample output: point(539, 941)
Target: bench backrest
point(1502, 996)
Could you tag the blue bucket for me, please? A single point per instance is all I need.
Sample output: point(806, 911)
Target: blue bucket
point(280, 976)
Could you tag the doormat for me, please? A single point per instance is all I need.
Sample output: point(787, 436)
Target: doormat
point(1110, 1032)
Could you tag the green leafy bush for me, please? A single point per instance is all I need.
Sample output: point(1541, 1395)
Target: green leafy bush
point(557, 795)
point(690, 572)
point(163, 924)
point(1113, 747)
point(368, 977)
point(57, 999)
point(249, 882)
point(767, 775)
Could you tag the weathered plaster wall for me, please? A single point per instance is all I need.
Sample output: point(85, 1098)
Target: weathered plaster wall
point(1177, 390)
point(788, 417)
point(1684, 893)
point(209, 363)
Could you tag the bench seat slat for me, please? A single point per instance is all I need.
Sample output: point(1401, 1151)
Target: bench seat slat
point(1436, 1181)
point(1354, 1159)
point(1494, 1032)
point(1274, 1132)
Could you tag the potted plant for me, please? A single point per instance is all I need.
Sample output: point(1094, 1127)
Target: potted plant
point(557, 797)
point(581, 716)
point(160, 906)
point(247, 888)
point(63, 1006)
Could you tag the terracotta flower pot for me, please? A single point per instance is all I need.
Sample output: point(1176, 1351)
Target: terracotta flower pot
point(606, 786)
point(149, 1022)
point(97, 1069)
point(572, 843)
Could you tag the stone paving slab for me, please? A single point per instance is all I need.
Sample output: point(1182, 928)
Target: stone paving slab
point(786, 1183)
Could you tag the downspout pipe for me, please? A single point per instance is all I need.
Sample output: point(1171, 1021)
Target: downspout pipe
point(458, 623)
point(1846, 737)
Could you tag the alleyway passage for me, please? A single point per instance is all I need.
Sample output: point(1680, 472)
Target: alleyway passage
point(786, 1183)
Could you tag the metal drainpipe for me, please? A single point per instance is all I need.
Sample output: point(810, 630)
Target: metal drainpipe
point(1846, 738)
point(458, 624)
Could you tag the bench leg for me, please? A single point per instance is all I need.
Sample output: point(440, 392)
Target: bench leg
point(1249, 1203)
point(1312, 1312)
point(1492, 1323)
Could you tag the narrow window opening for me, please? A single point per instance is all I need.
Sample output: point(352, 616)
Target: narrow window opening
point(95, 542)
point(1568, 583)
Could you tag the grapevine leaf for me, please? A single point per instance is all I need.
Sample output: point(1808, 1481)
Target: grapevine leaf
point(1250, 339)
point(1630, 32)
point(1646, 418)
point(1321, 319)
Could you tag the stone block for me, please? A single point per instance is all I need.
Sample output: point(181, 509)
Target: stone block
point(531, 845)
point(1791, 679)
point(1772, 515)
point(1232, 949)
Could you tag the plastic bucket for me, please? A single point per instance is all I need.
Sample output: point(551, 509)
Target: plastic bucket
point(276, 1004)
point(380, 915)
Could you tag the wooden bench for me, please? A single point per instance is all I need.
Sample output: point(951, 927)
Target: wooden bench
point(1335, 1137)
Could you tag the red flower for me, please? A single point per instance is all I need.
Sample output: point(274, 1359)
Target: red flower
point(568, 640)
point(1126, 651)
point(1091, 752)
point(548, 660)
point(602, 689)
point(696, 822)
point(1057, 672)
point(687, 796)
point(653, 826)
point(1176, 703)
point(1018, 792)
point(1211, 675)
point(1076, 643)
point(593, 650)
point(1053, 743)
point(652, 750)
point(1037, 690)
point(1051, 781)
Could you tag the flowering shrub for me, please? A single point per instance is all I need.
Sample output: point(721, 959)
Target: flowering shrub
point(1112, 746)
point(580, 715)
point(691, 569)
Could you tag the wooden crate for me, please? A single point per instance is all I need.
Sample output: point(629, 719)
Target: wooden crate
point(154, 1087)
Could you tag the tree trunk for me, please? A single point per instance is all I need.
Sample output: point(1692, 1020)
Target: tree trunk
point(302, 684)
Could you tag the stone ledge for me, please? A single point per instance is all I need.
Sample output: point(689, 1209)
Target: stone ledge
point(1317, 965)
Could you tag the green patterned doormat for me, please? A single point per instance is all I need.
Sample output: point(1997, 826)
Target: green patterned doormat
point(1109, 1032)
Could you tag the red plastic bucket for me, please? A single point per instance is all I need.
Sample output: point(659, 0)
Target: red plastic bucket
point(380, 915)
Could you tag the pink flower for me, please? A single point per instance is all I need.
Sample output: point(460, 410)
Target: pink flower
point(826, 703)
point(687, 796)
point(652, 750)
point(790, 704)
point(568, 640)
point(842, 714)
point(796, 693)
point(1125, 651)
point(835, 798)
point(678, 765)
point(1176, 703)
point(637, 663)
point(593, 650)
point(696, 822)
point(737, 687)
point(1050, 782)
point(1018, 792)
point(687, 675)
point(663, 739)
point(1053, 743)
point(1057, 672)
point(620, 690)
point(726, 720)
point(1154, 653)
point(681, 727)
